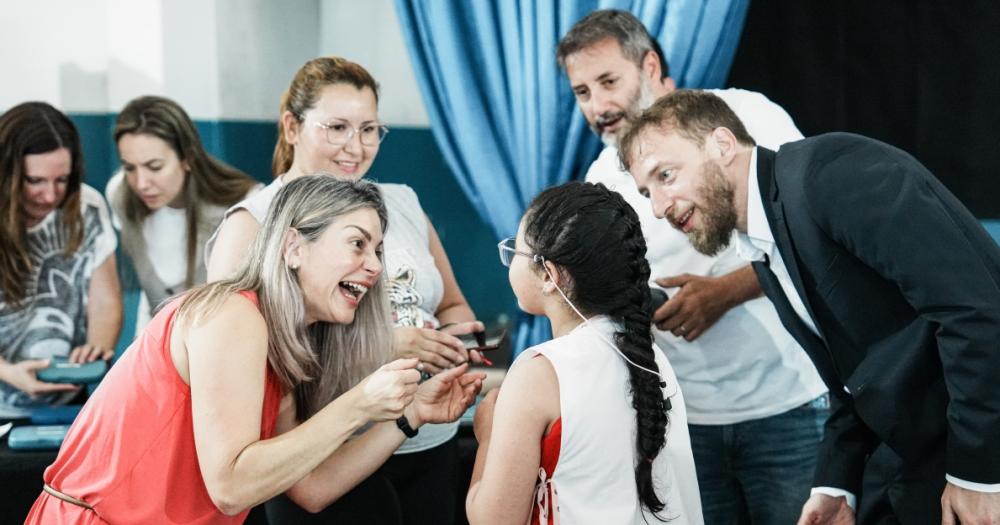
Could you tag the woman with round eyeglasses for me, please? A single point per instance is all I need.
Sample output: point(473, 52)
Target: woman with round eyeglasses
point(329, 124)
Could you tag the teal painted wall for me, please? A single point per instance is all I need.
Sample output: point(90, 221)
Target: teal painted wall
point(408, 155)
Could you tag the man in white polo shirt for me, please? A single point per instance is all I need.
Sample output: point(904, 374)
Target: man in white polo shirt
point(756, 406)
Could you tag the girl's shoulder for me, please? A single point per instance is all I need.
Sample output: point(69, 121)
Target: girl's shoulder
point(533, 384)
point(584, 335)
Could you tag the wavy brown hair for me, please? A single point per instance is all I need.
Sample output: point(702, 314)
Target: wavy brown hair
point(210, 180)
point(33, 128)
point(303, 92)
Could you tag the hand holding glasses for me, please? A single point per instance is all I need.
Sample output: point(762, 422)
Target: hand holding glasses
point(483, 342)
point(339, 132)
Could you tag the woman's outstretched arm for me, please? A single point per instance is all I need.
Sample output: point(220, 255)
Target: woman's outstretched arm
point(223, 358)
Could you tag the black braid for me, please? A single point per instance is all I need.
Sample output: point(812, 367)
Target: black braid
point(594, 236)
point(636, 342)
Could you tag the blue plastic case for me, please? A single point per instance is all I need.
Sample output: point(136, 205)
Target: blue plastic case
point(55, 415)
point(37, 437)
point(62, 371)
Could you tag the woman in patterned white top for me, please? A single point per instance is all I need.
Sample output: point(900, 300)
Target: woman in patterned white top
point(59, 291)
point(329, 124)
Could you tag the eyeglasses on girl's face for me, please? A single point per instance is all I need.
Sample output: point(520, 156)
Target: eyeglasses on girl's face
point(507, 251)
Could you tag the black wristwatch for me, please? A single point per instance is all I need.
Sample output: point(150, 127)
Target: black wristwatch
point(404, 425)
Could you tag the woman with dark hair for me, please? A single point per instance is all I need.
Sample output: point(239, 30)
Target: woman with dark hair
point(173, 196)
point(59, 291)
point(249, 387)
point(580, 430)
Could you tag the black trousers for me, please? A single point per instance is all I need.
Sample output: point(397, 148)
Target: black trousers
point(896, 492)
point(409, 489)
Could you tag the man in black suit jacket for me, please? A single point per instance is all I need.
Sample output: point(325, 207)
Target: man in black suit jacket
point(890, 285)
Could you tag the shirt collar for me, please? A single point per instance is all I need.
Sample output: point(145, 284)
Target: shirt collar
point(757, 226)
point(758, 239)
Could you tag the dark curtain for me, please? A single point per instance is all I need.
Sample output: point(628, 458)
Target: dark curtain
point(922, 75)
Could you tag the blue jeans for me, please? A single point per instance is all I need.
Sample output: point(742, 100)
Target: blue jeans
point(759, 471)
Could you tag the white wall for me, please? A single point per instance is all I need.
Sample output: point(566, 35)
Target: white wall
point(220, 59)
point(133, 43)
point(261, 44)
point(369, 34)
point(54, 50)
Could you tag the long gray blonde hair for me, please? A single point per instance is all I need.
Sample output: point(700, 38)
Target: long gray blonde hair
point(323, 360)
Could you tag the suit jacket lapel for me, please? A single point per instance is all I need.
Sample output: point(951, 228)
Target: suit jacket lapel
point(775, 212)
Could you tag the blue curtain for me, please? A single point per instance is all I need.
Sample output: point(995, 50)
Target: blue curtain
point(502, 111)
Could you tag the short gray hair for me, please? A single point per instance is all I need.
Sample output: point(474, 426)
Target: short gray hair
point(603, 24)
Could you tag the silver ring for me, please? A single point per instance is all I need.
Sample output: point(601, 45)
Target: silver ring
point(681, 329)
point(420, 367)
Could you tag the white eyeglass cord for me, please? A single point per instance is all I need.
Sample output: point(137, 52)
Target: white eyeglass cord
point(598, 332)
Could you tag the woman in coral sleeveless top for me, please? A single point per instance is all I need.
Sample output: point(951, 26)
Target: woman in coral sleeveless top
point(198, 420)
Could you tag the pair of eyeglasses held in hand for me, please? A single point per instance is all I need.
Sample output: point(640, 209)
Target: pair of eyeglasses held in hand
point(476, 341)
point(483, 342)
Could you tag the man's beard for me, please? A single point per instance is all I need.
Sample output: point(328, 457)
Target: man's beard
point(718, 213)
point(641, 100)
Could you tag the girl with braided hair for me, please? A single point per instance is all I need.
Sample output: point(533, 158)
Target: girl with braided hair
point(589, 427)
